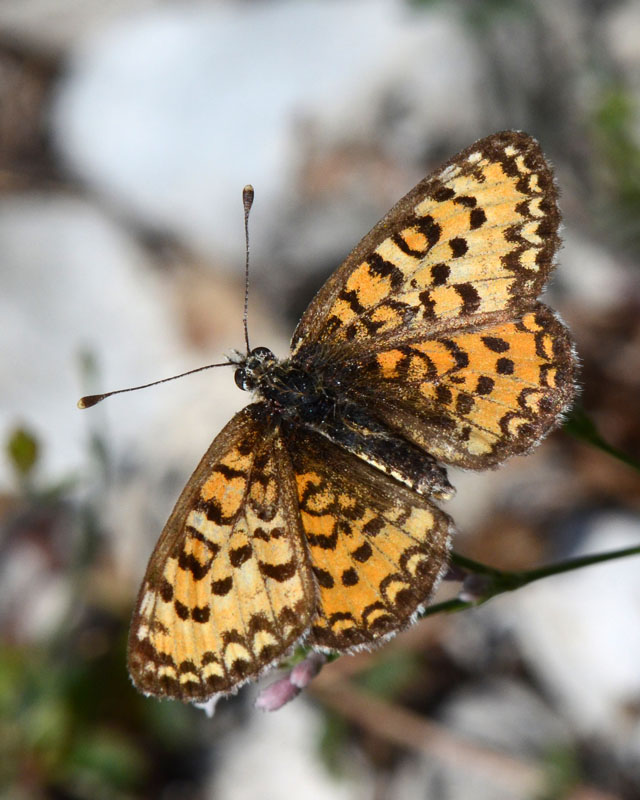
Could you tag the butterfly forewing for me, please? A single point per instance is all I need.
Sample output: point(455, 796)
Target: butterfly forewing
point(474, 240)
point(228, 588)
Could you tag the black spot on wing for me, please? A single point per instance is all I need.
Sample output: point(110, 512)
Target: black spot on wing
point(349, 577)
point(505, 366)
point(279, 572)
point(464, 404)
point(443, 193)
point(222, 587)
point(443, 394)
point(440, 274)
point(477, 218)
point(385, 269)
point(470, 297)
point(458, 246)
point(166, 590)
point(181, 610)
point(495, 344)
point(363, 553)
point(484, 385)
point(189, 563)
point(239, 555)
point(200, 614)
point(430, 228)
point(323, 577)
point(466, 200)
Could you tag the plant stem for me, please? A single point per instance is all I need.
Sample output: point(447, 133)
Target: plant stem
point(497, 581)
point(581, 427)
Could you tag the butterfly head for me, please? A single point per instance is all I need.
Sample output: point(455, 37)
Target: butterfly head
point(252, 367)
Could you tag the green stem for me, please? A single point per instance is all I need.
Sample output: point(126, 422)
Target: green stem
point(575, 563)
point(498, 581)
point(581, 427)
point(470, 565)
point(447, 607)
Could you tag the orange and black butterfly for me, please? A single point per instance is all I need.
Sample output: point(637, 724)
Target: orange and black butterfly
point(311, 518)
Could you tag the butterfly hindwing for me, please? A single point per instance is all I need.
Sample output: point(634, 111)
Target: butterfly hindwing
point(376, 548)
point(228, 589)
point(473, 398)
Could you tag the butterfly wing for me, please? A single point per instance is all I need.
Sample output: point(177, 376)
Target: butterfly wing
point(474, 397)
point(474, 239)
point(377, 549)
point(410, 323)
point(228, 589)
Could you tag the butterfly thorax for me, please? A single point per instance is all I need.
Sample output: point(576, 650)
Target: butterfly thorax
point(289, 390)
point(305, 397)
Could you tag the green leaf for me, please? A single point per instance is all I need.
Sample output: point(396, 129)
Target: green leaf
point(104, 758)
point(333, 743)
point(23, 451)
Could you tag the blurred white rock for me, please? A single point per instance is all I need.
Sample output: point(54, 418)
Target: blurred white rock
point(621, 32)
point(171, 112)
point(591, 277)
point(72, 279)
point(505, 718)
point(580, 631)
point(276, 756)
point(427, 777)
point(36, 542)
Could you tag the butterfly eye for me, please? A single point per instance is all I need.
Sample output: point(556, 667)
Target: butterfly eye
point(262, 354)
point(243, 379)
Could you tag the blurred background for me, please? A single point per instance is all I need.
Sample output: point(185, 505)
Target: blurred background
point(127, 131)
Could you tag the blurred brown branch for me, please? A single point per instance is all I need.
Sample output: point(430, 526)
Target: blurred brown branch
point(412, 732)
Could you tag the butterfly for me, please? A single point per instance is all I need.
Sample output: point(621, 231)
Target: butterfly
point(312, 517)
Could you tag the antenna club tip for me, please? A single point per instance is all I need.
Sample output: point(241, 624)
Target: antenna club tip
point(89, 400)
point(248, 194)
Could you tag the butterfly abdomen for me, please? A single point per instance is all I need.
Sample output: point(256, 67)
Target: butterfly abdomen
point(356, 431)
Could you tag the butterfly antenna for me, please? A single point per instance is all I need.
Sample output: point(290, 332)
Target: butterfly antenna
point(91, 399)
point(247, 202)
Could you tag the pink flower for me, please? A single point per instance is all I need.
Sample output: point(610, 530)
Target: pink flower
point(284, 690)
